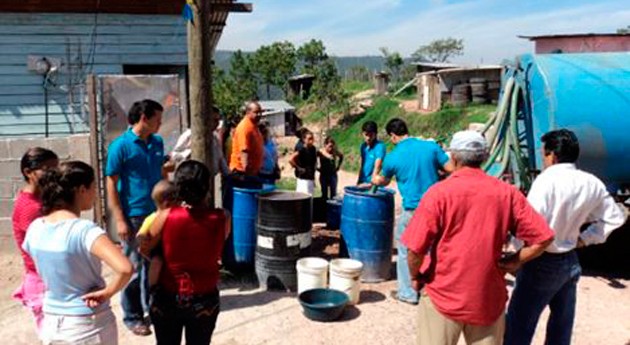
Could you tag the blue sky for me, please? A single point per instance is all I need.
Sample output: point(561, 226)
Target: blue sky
point(359, 27)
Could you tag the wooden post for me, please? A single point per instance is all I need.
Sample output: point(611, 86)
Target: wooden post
point(203, 123)
point(95, 159)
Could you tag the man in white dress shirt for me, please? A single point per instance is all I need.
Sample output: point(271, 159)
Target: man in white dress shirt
point(567, 198)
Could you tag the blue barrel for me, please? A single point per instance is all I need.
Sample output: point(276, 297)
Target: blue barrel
point(241, 245)
point(333, 213)
point(367, 227)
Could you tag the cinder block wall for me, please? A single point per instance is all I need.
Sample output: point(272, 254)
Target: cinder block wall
point(74, 147)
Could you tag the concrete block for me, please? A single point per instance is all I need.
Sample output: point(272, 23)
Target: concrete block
point(8, 188)
point(79, 146)
point(6, 207)
point(17, 147)
point(4, 149)
point(6, 227)
point(10, 170)
point(59, 146)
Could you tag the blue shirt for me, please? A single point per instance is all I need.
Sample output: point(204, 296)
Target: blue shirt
point(61, 252)
point(414, 163)
point(138, 165)
point(369, 155)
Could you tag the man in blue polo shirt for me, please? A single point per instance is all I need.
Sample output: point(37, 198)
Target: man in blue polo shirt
point(372, 153)
point(134, 166)
point(415, 164)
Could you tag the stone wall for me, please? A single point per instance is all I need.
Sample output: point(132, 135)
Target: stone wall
point(74, 147)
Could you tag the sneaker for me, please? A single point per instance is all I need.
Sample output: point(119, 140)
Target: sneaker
point(141, 330)
point(394, 295)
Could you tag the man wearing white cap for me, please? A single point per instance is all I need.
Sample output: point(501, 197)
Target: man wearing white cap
point(463, 222)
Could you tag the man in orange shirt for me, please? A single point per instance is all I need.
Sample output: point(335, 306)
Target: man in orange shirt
point(247, 143)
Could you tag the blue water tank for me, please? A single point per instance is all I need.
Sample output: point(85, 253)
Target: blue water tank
point(589, 94)
point(367, 227)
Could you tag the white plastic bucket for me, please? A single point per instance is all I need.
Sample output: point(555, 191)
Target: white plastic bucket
point(312, 273)
point(345, 276)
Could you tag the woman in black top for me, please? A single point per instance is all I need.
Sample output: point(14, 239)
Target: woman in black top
point(330, 160)
point(304, 160)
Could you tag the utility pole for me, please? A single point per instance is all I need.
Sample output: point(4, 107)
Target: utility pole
point(200, 48)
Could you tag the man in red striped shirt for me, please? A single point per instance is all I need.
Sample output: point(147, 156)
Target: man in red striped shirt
point(463, 222)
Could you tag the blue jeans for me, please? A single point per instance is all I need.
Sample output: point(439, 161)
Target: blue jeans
point(405, 291)
point(550, 279)
point(134, 298)
point(329, 186)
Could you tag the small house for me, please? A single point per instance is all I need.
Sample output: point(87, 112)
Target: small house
point(580, 43)
point(281, 117)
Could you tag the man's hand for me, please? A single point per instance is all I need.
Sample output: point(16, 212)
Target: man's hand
point(365, 185)
point(510, 264)
point(580, 243)
point(122, 229)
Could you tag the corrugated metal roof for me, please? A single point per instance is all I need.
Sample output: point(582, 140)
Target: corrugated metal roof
point(275, 106)
point(435, 64)
point(533, 38)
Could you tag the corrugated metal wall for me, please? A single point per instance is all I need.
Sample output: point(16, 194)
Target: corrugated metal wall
point(85, 43)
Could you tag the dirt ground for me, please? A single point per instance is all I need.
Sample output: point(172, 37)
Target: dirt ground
point(251, 316)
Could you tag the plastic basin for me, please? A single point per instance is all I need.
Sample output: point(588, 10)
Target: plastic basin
point(323, 304)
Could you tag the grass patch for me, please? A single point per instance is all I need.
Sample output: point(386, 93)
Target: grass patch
point(286, 183)
point(352, 86)
point(439, 125)
point(289, 183)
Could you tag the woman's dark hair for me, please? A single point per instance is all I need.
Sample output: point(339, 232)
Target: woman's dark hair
point(563, 143)
point(369, 127)
point(146, 107)
point(34, 159)
point(306, 133)
point(300, 132)
point(192, 181)
point(329, 140)
point(396, 126)
point(58, 186)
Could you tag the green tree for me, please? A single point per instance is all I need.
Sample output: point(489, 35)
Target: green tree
point(359, 73)
point(327, 90)
point(441, 50)
point(232, 89)
point(312, 54)
point(274, 64)
point(624, 31)
point(393, 62)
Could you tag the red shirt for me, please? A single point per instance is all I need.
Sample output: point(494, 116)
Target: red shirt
point(26, 209)
point(192, 248)
point(465, 220)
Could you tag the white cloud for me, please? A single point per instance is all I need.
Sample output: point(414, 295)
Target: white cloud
point(352, 27)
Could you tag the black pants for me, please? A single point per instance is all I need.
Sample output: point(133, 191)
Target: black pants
point(170, 317)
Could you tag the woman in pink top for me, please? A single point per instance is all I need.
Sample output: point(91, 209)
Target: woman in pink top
point(26, 209)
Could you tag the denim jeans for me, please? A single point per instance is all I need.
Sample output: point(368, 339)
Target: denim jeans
point(198, 316)
point(329, 186)
point(405, 291)
point(134, 298)
point(550, 279)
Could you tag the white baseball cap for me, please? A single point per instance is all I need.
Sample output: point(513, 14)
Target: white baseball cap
point(471, 141)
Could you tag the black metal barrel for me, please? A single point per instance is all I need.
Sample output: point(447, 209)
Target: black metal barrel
point(283, 230)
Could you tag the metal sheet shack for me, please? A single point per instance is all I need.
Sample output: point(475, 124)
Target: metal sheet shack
point(49, 48)
point(457, 85)
point(281, 117)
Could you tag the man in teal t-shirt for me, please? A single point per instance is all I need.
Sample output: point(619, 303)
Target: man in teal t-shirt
point(372, 153)
point(415, 164)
